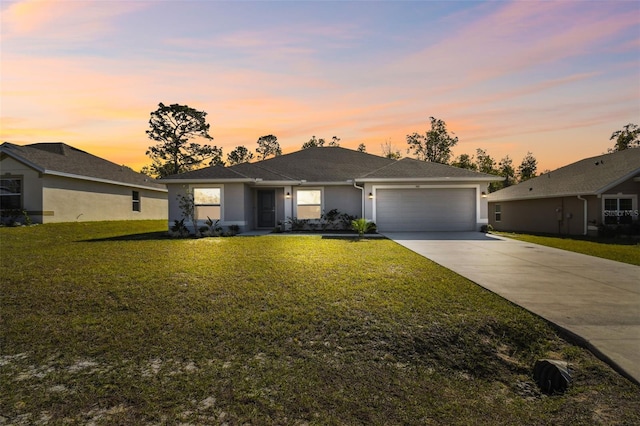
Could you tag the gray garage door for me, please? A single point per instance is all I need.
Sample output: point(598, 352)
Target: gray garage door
point(441, 209)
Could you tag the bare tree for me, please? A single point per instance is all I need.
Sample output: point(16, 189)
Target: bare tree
point(390, 151)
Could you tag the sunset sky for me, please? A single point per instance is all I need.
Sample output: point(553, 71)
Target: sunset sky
point(552, 77)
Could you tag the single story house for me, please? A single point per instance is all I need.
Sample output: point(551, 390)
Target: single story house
point(55, 182)
point(574, 199)
point(398, 195)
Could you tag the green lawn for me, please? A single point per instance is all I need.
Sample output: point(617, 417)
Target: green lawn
point(627, 253)
point(113, 323)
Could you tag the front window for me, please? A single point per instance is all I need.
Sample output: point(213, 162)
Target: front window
point(498, 212)
point(619, 211)
point(309, 203)
point(207, 203)
point(10, 194)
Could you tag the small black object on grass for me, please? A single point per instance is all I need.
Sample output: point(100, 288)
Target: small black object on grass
point(552, 376)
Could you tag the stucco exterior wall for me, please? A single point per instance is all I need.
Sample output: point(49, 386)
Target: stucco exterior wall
point(239, 201)
point(250, 209)
point(70, 200)
point(174, 210)
point(346, 199)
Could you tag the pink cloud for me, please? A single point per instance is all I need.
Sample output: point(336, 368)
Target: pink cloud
point(517, 37)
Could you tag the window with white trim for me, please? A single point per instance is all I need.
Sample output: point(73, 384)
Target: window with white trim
point(308, 203)
point(207, 203)
point(498, 212)
point(10, 194)
point(135, 201)
point(619, 209)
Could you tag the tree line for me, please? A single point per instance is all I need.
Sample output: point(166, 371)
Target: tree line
point(436, 144)
point(174, 127)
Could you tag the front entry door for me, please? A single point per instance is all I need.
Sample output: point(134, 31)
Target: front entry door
point(266, 208)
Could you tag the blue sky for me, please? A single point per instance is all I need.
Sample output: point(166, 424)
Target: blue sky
point(552, 77)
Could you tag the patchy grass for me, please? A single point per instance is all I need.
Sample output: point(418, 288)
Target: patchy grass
point(112, 323)
point(627, 253)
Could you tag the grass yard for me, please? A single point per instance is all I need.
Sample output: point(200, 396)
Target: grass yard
point(112, 323)
point(627, 253)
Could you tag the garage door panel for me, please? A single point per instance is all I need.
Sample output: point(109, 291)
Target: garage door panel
point(436, 209)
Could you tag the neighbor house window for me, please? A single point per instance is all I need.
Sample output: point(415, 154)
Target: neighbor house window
point(619, 210)
point(10, 194)
point(498, 212)
point(309, 203)
point(207, 203)
point(135, 201)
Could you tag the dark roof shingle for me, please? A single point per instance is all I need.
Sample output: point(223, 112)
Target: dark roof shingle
point(336, 164)
point(412, 168)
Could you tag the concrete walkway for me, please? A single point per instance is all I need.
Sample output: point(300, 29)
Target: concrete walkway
point(596, 300)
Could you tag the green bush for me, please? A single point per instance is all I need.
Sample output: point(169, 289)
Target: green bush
point(361, 226)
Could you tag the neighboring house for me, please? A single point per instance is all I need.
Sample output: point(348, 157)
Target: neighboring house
point(572, 200)
point(404, 195)
point(55, 182)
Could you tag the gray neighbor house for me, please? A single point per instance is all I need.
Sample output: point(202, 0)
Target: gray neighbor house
point(398, 195)
point(576, 199)
point(55, 182)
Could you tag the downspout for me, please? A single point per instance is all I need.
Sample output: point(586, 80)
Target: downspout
point(584, 232)
point(362, 198)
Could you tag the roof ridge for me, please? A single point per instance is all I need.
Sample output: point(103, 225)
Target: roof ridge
point(380, 168)
point(273, 171)
point(234, 171)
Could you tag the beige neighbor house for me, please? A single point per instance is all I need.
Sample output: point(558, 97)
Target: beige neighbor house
point(404, 195)
point(55, 182)
point(577, 199)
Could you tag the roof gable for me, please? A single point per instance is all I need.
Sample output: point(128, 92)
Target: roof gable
point(590, 176)
point(58, 158)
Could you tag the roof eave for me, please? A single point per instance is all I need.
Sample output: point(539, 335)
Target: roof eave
point(538, 197)
point(100, 180)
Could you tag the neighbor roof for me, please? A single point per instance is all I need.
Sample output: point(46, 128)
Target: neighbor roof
point(57, 158)
point(591, 176)
point(335, 164)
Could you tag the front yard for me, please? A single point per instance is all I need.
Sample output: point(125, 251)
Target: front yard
point(113, 323)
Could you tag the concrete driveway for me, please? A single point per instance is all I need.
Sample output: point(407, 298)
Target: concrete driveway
point(596, 300)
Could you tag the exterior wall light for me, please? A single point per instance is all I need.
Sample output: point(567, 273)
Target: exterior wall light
point(288, 195)
point(371, 195)
point(484, 194)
